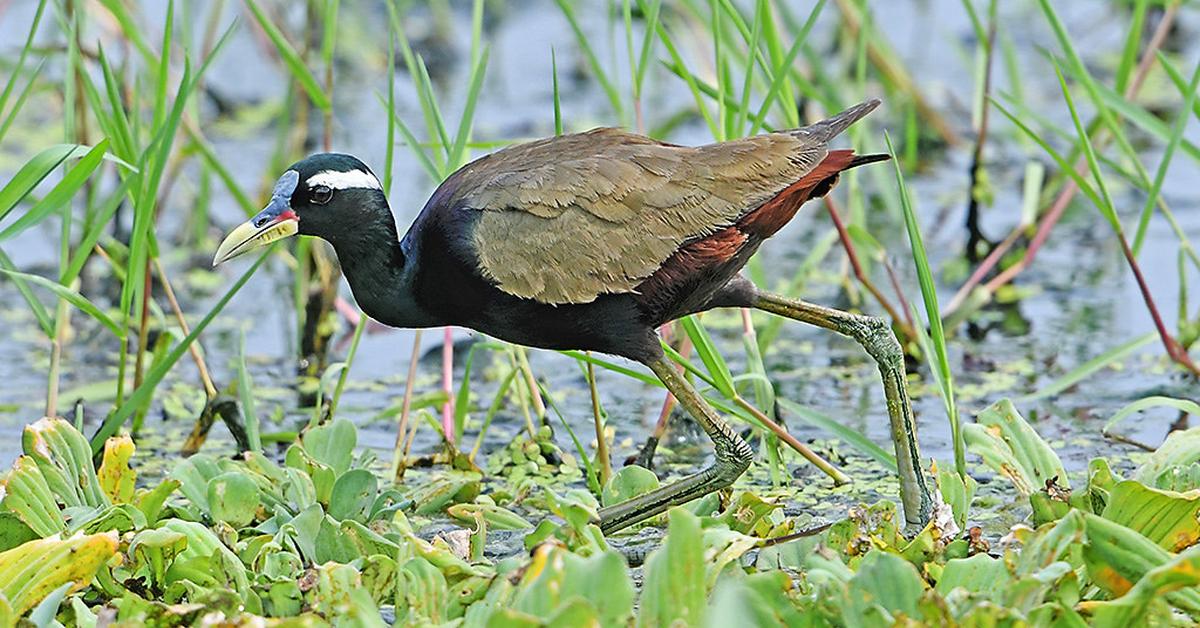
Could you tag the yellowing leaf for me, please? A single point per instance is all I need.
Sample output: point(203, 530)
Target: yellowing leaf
point(32, 571)
point(117, 479)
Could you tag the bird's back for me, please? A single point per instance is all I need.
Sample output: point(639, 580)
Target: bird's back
point(567, 220)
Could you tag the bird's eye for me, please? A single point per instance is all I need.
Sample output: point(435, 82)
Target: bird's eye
point(321, 194)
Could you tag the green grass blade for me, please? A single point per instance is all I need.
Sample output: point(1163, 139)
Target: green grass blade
point(434, 171)
point(131, 30)
point(610, 90)
point(851, 436)
point(1183, 405)
point(1094, 365)
point(650, 17)
point(1144, 120)
point(1133, 41)
point(21, 98)
point(558, 122)
point(940, 360)
point(1065, 166)
point(614, 367)
point(33, 172)
point(16, 69)
point(459, 151)
point(389, 150)
point(245, 388)
point(1160, 175)
point(1106, 206)
point(344, 375)
point(60, 194)
point(462, 400)
point(433, 113)
point(69, 295)
point(39, 310)
point(718, 369)
point(291, 58)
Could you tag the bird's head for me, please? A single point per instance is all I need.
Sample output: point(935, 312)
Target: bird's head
point(327, 195)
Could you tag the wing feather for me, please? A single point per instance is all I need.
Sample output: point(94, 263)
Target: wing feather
point(569, 218)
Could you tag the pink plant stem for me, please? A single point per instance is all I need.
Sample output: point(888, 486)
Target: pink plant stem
point(895, 281)
point(448, 385)
point(1174, 350)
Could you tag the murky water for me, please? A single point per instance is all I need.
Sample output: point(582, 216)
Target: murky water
point(1080, 297)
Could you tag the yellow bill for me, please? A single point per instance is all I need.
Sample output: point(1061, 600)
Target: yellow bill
point(275, 222)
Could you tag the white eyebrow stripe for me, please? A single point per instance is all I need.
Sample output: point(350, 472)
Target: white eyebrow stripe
point(338, 180)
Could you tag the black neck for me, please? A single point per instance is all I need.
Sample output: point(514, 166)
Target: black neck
point(377, 270)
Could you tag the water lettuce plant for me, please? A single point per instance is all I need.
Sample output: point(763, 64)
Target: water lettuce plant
point(317, 539)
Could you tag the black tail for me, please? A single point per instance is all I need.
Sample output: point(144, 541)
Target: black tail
point(862, 160)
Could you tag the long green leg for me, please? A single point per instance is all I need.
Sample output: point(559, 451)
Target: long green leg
point(732, 458)
point(875, 335)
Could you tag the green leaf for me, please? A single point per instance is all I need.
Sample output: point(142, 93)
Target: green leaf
point(332, 444)
point(14, 531)
point(1183, 405)
point(718, 369)
point(28, 496)
point(340, 594)
point(233, 498)
point(1094, 365)
point(1118, 557)
point(627, 483)
point(1172, 520)
point(940, 361)
point(674, 588)
point(353, 493)
point(421, 594)
point(980, 574)
point(448, 488)
point(497, 518)
point(1133, 608)
point(849, 435)
point(153, 552)
point(884, 582)
point(957, 491)
point(31, 174)
point(65, 460)
point(758, 599)
point(116, 478)
point(614, 96)
point(159, 370)
point(1012, 448)
point(1181, 449)
point(557, 579)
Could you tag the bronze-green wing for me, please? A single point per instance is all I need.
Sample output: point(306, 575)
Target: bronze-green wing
point(569, 218)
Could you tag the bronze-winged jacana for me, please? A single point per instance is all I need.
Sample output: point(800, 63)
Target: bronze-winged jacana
point(592, 241)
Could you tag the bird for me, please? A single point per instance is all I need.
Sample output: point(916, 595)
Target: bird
point(592, 241)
